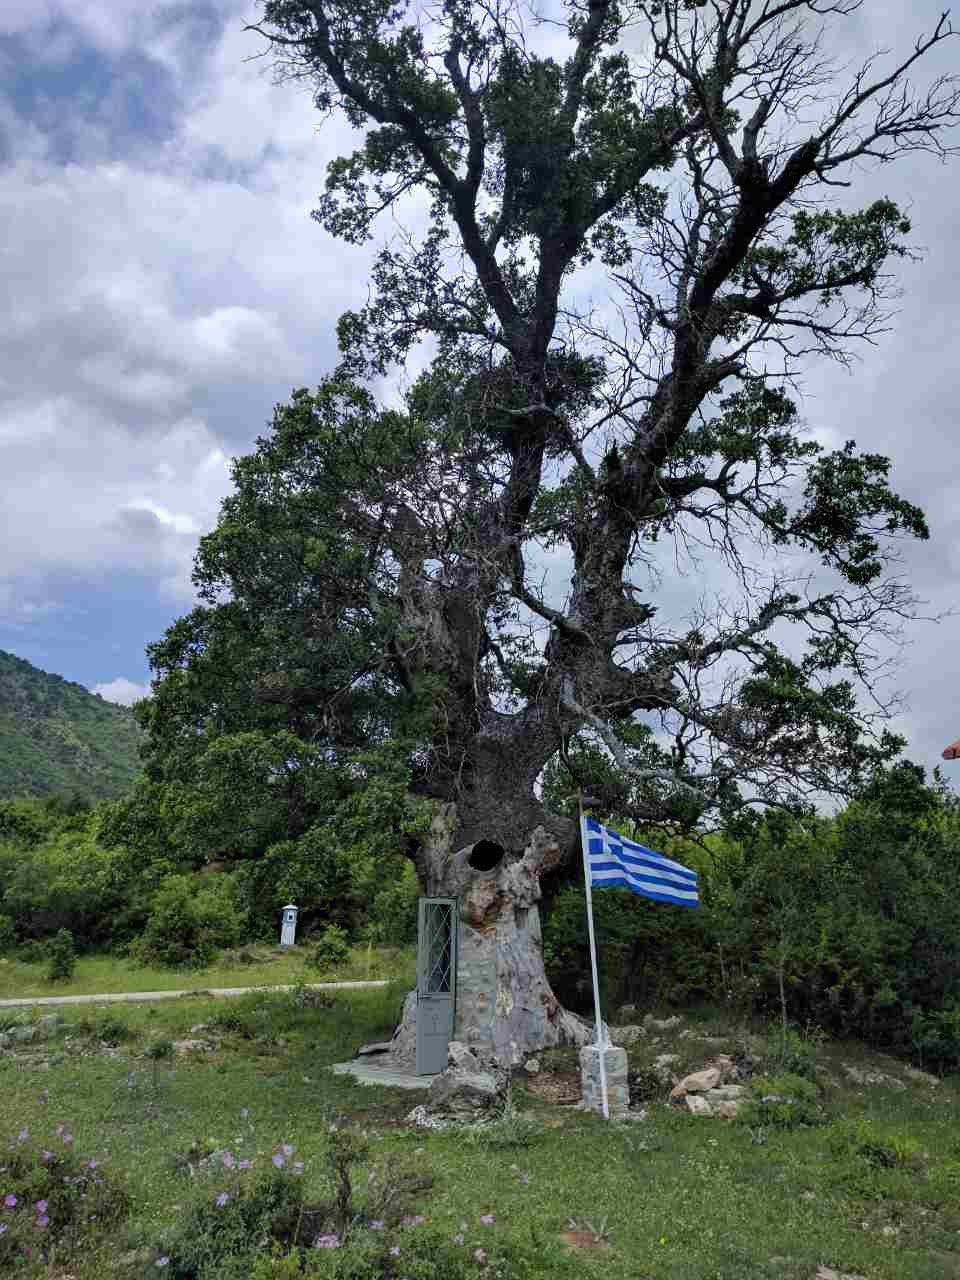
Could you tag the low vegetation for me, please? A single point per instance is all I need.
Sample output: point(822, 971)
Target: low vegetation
point(245, 1157)
point(257, 965)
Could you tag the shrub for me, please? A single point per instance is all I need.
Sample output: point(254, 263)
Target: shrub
point(936, 1036)
point(61, 956)
point(646, 1084)
point(8, 937)
point(66, 881)
point(54, 1201)
point(879, 1148)
point(32, 952)
point(783, 1101)
point(189, 923)
point(225, 1233)
point(330, 949)
point(222, 1231)
point(795, 1052)
point(393, 911)
point(111, 1030)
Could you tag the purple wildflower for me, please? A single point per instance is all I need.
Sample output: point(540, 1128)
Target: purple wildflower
point(244, 1164)
point(46, 1155)
point(394, 1250)
point(222, 1199)
point(480, 1255)
point(279, 1161)
point(10, 1201)
point(327, 1242)
point(41, 1206)
point(162, 1262)
point(3, 1227)
point(413, 1220)
point(43, 1221)
point(287, 1149)
point(228, 1161)
point(458, 1238)
point(23, 1135)
point(67, 1139)
point(487, 1219)
point(377, 1224)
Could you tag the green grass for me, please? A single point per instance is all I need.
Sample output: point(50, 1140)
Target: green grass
point(684, 1198)
point(263, 966)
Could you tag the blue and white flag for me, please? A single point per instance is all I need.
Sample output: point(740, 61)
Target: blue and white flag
point(616, 862)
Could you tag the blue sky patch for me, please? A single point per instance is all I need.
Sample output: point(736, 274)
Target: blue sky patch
point(94, 106)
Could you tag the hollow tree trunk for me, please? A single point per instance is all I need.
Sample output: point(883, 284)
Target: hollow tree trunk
point(505, 1008)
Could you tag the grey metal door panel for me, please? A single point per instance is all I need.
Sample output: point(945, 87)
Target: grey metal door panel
point(436, 981)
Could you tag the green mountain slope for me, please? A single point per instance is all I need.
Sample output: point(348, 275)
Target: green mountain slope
point(57, 736)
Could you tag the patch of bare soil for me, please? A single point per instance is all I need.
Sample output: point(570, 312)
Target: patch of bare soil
point(584, 1240)
point(556, 1089)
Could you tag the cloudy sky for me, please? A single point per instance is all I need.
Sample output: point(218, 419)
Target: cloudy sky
point(165, 287)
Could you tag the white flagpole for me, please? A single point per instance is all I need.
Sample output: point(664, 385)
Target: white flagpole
point(600, 1037)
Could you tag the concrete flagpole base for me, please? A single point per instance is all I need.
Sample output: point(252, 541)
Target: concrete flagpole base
point(615, 1065)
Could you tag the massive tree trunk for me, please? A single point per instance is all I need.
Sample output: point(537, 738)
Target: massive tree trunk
point(505, 1008)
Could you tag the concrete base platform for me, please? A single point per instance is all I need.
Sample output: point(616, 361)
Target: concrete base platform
point(367, 1072)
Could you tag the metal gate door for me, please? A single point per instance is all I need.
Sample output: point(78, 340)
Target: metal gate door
point(436, 981)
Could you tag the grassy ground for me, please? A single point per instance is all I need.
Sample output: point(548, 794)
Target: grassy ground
point(683, 1198)
point(252, 966)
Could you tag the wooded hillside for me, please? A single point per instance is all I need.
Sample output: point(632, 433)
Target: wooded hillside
point(57, 736)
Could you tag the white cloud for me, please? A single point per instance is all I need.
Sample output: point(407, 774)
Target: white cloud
point(121, 690)
point(158, 301)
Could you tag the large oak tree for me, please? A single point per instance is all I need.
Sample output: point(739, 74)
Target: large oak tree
point(384, 570)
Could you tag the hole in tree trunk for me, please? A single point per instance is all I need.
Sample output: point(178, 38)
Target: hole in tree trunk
point(485, 855)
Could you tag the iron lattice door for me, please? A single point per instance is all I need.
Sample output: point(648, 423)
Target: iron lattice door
point(436, 981)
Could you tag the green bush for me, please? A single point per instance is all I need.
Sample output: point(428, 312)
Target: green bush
point(61, 956)
point(219, 1234)
point(936, 1036)
point(65, 880)
point(8, 937)
point(792, 1051)
point(54, 1201)
point(329, 950)
point(879, 1148)
point(111, 1030)
point(190, 921)
point(35, 951)
point(224, 1235)
point(783, 1101)
point(393, 912)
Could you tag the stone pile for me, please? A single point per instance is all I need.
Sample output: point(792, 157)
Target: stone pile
point(45, 1027)
point(469, 1090)
point(711, 1091)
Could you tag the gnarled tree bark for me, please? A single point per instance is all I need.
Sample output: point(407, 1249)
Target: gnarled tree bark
point(505, 1007)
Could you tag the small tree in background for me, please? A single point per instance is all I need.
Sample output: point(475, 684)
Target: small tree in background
point(61, 956)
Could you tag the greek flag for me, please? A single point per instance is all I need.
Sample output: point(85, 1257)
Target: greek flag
point(615, 861)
